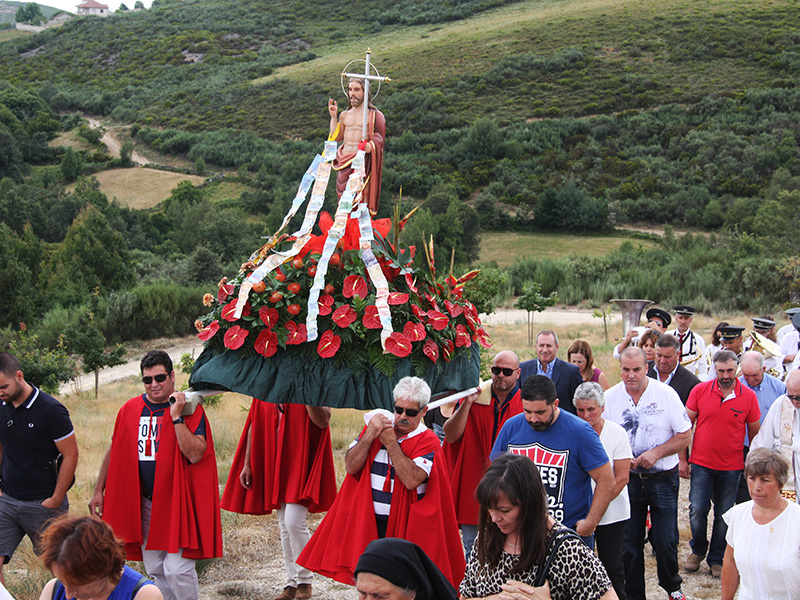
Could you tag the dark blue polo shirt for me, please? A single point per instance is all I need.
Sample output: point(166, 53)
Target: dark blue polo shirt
point(41, 421)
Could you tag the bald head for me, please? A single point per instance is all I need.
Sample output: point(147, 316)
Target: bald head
point(752, 366)
point(505, 372)
point(506, 356)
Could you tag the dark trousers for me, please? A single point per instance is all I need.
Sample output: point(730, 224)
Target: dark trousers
point(660, 495)
point(608, 539)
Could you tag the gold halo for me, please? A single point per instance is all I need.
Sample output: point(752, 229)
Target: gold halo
point(372, 69)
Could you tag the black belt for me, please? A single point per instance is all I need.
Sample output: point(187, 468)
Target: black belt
point(656, 475)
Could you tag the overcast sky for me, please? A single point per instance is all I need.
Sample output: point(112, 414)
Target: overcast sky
point(69, 5)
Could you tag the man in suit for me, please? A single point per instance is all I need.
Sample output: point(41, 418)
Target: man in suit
point(667, 368)
point(566, 377)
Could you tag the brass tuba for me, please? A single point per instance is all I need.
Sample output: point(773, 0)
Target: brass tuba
point(768, 348)
point(631, 311)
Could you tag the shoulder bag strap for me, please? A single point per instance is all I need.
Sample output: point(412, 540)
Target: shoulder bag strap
point(558, 538)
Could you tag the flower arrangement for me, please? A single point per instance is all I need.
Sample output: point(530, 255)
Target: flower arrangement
point(432, 321)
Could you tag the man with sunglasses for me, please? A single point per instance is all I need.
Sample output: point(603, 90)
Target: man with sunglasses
point(158, 487)
point(469, 435)
point(781, 431)
point(396, 486)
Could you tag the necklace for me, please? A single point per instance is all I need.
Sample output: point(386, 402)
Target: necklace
point(513, 547)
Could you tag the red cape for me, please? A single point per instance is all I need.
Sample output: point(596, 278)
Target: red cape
point(350, 525)
point(468, 458)
point(291, 459)
point(185, 496)
point(373, 164)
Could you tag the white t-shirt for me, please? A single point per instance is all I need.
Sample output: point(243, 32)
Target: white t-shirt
point(767, 556)
point(615, 441)
point(657, 417)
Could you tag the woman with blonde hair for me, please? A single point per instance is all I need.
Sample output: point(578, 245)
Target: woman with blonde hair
point(580, 354)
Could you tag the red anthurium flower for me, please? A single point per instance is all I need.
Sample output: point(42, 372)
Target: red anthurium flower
point(344, 316)
point(397, 298)
point(472, 320)
point(297, 334)
point(225, 290)
point(447, 349)
point(438, 320)
point(269, 316)
point(207, 332)
point(431, 350)
point(266, 343)
point(482, 338)
point(328, 344)
point(371, 319)
point(453, 308)
point(398, 344)
point(325, 304)
point(230, 308)
point(235, 337)
point(432, 300)
point(354, 285)
point(411, 283)
point(418, 312)
point(414, 331)
point(462, 336)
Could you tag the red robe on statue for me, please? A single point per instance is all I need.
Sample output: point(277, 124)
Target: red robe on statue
point(350, 525)
point(291, 459)
point(373, 163)
point(185, 496)
point(468, 458)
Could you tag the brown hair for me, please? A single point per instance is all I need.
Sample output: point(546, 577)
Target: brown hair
point(651, 335)
point(85, 549)
point(583, 347)
point(715, 336)
point(766, 461)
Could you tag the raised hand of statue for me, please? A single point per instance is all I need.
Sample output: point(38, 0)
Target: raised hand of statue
point(333, 108)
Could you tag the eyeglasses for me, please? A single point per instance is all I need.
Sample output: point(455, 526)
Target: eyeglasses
point(160, 378)
point(410, 412)
point(789, 396)
point(504, 370)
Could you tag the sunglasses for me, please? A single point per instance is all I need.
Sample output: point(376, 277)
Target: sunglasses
point(410, 412)
point(160, 378)
point(793, 398)
point(504, 370)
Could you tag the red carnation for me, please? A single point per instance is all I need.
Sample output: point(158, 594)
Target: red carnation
point(207, 332)
point(397, 298)
point(344, 316)
point(371, 319)
point(266, 343)
point(431, 350)
point(462, 336)
point(398, 344)
point(297, 334)
point(438, 320)
point(414, 331)
point(269, 316)
point(230, 308)
point(235, 337)
point(328, 344)
point(354, 285)
point(325, 304)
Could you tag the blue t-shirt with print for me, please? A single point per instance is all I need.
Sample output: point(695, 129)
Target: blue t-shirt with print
point(565, 452)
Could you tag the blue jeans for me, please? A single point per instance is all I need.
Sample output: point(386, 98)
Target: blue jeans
point(722, 487)
point(660, 495)
point(468, 535)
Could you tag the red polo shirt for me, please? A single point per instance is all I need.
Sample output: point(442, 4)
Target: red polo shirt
point(721, 424)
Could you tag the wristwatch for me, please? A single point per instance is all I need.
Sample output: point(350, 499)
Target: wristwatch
point(178, 420)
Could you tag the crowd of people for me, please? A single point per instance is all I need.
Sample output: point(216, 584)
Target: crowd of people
point(549, 488)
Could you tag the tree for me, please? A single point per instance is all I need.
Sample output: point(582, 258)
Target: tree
point(29, 13)
point(122, 8)
point(139, 5)
point(84, 337)
point(71, 165)
point(44, 368)
point(533, 301)
point(125, 153)
point(486, 289)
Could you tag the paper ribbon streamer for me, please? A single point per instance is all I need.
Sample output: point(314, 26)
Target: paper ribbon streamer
point(375, 272)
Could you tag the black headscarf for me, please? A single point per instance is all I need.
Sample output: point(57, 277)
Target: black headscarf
point(404, 564)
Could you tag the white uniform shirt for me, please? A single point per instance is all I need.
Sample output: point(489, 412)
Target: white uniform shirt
point(693, 347)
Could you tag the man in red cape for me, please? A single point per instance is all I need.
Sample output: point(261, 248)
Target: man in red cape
point(396, 486)
point(350, 133)
point(161, 470)
point(284, 462)
point(470, 435)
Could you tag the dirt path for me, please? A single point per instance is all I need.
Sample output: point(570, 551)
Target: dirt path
point(114, 144)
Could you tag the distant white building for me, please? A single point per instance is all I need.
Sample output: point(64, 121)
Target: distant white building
point(90, 7)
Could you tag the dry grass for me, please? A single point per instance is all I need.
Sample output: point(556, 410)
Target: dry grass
point(141, 187)
point(70, 139)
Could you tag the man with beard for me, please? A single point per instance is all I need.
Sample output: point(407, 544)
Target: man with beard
point(722, 411)
point(658, 429)
point(567, 452)
point(348, 129)
point(39, 430)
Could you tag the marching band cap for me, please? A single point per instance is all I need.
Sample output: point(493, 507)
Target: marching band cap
point(796, 320)
point(684, 309)
point(760, 323)
point(659, 313)
point(790, 312)
point(731, 332)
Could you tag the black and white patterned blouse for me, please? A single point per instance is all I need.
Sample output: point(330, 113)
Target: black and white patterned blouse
point(576, 573)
